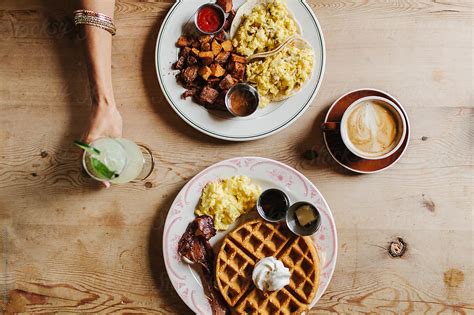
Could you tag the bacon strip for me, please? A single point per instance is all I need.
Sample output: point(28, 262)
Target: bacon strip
point(194, 248)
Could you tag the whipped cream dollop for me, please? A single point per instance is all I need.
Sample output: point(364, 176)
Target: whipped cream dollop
point(270, 274)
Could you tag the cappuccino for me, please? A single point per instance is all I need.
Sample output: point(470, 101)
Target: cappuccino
point(373, 128)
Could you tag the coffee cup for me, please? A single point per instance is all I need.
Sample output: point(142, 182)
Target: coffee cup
point(371, 128)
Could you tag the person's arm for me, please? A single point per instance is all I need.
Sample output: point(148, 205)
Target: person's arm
point(105, 119)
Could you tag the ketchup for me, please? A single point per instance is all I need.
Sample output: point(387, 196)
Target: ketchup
point(209, 19)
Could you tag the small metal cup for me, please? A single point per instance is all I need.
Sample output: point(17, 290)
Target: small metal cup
point(295, 227)
point(261, 211)
point(244, 87)
point(218, 8)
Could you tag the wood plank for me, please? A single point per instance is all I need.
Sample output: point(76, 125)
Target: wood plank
point(68, 245)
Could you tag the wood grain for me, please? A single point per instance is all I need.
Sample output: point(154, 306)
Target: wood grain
point(69, 246)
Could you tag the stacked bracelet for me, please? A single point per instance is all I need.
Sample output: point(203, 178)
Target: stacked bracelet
point(100, 20)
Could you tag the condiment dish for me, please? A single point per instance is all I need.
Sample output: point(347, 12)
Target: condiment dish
point(273, 204)
point(293, 223)
point(245, 104)
point(218, 10)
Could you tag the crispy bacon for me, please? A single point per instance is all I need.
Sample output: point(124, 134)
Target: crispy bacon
point(194, 248)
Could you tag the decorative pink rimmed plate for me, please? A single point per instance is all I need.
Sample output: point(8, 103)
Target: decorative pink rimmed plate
point(268, 174)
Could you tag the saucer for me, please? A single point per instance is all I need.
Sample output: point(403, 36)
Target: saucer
point(336, 146)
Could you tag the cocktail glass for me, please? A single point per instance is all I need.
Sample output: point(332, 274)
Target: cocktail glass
point(117, 161)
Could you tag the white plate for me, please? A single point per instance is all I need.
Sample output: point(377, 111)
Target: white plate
point(268, 174)
point(273, 118)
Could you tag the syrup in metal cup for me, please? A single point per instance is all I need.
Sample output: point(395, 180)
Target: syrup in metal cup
point(272, 205)
point(298, 214)
point(209, 19)
point(242, 100)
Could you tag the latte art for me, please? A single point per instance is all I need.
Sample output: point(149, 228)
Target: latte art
point(372, 128)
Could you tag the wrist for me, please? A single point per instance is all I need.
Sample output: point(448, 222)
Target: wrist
point(103, 99)
point(103, 104)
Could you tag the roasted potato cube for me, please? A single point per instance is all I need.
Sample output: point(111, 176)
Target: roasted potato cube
point(205, 72)
point(220, 37)
point(185, 52)
point(190, 73)
point(206, 54)
point(208, 95)
point(237, 70)
point(229, 20)
point(183, 41)
point(206, 47)
point(216, 47)
point(238, 59)
point(227, 82)
point(195, 43)
point(192, 60)
point(217, 70)
point(227, 45)
point(206, 61)
point(195, 51)
point(222, 57)
point(204, 39)
point(180, 64)
point(226, 5)
point(206, 57)
point(214, 82)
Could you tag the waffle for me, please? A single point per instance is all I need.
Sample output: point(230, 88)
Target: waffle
point(277, 302)
point(242, 248)
point(235, 272)
point(303, 261)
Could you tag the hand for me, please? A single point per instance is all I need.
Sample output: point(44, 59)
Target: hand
point(105, 121)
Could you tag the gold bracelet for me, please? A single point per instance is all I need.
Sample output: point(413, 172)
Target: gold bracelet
point(87, 17)
point(92, 13)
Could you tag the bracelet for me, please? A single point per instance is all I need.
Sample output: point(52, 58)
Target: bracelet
point(88, 17)
point(92, 13)
point(90, 20)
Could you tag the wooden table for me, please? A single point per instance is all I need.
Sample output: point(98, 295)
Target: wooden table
point(68, 245)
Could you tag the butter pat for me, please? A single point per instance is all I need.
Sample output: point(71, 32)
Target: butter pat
point(305, 215)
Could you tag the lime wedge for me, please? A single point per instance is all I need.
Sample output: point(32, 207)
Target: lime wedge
point(86, 147)
point(97, 164)
point(102, 169)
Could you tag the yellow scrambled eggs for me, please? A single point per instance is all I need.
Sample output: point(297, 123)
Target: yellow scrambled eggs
point(267, 26)
point(281, 74)
point(225, 200)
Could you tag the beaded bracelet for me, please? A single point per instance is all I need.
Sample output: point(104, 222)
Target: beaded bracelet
point(88, 17)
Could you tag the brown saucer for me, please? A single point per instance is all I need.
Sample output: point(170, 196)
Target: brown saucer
point(336, 146)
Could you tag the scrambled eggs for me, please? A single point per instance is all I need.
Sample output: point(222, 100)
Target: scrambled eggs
point(267, 26)
point(281, 74)
point(225, 200)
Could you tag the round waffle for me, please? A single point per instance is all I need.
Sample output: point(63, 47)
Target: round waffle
point(242, 248)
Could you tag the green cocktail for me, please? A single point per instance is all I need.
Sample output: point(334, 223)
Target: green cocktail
point(116, 160)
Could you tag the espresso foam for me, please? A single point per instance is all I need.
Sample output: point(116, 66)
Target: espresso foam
point(372, 128)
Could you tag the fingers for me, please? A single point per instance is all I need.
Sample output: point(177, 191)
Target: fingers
point(106, 184)
point(87, 137)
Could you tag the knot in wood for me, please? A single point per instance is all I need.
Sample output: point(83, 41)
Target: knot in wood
point(148, 185)
point(397, 248)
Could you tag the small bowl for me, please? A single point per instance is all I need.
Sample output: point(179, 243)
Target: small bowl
point(242, 87)
point(295, 227)
point(285, 201)
point(221, 12)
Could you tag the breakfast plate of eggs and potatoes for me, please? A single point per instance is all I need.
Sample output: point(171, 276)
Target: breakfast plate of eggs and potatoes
point(240, 70)
point(250, 235)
